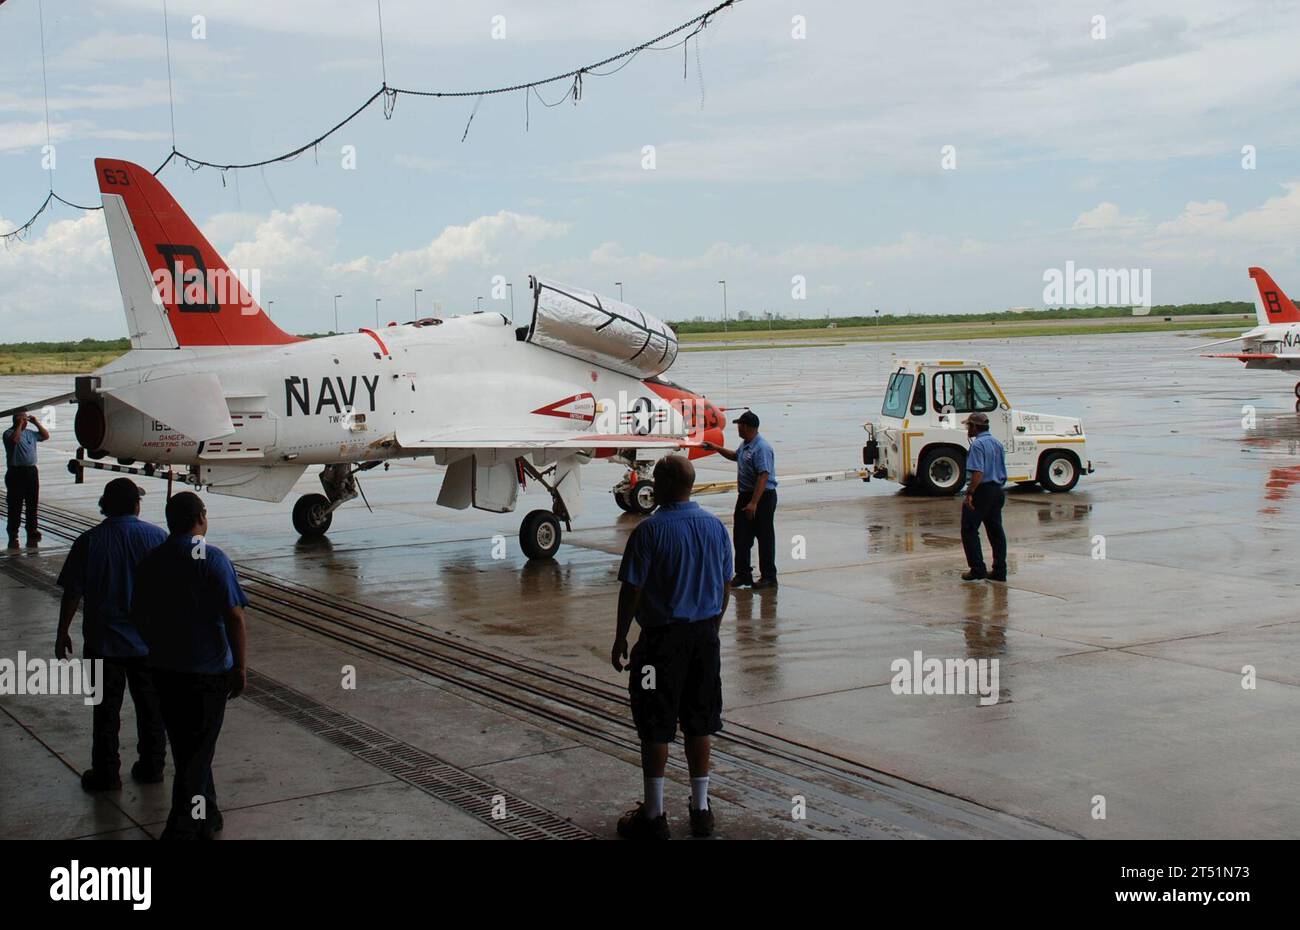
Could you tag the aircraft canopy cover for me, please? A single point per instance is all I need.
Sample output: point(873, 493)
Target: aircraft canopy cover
point(600, 330)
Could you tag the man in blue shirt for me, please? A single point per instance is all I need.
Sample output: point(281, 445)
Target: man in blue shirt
point(755, 517)
point(986, 464)
point(190, 608)
point(22, 479)
point(674, 574)
point(100, 571)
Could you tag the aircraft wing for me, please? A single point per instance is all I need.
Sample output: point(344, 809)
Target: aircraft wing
point(1252, 356)
point(529, 440)
point(39, 404)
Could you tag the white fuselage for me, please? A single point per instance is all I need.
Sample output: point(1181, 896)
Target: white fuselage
point(348, 398)
point(1275, 339)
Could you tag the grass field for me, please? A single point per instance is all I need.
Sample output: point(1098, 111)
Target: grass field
point(49, 358)
point(933, 332)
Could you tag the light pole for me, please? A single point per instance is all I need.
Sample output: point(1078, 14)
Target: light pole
point(512, 301)
point(377, 300)
point(336, 312)
point(724, 305)
point(415, 301)
point(619, 285)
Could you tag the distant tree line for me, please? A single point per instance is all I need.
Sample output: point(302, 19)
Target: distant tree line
point(1226, 307)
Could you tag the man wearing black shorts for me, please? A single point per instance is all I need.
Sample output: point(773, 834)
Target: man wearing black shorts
point(674, 573)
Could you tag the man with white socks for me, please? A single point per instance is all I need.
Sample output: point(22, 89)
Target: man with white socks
point(675, 571)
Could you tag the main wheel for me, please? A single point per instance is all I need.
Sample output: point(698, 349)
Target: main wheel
point(1058, 471)
point(539, 535)
point(311, 515)
point(942, 471)
point(1297, 389)
point(643, 497)
point(621, 498)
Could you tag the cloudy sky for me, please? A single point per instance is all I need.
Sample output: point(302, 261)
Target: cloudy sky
point(775, 156)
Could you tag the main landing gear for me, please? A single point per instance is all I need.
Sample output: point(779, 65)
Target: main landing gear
point(1297, 395)
point(636, 492)
point(313, 513)
point(539, 534)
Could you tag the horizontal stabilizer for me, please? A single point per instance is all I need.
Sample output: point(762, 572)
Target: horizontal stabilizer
point(1252, 356)
point(193, 404)
point(38, 405)
point(1221, 342)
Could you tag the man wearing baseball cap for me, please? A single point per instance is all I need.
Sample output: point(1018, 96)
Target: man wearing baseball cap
point(22, 478)
point(756, 504)
point(986, 463)
point(100, 571)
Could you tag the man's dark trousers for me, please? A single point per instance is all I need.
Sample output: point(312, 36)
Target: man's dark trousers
point(193, 708)
point(987, 512)
point(763, 528)
point(119, 674)
point(23, 486)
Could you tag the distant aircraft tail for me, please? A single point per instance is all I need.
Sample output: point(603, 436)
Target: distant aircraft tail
point(176, 290)
point(1274, 306)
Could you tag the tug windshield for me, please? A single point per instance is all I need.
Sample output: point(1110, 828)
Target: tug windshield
point(897, 395)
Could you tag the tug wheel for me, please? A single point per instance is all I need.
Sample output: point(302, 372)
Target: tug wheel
point(1058, 472)
point(312, 516)
point(942, 471)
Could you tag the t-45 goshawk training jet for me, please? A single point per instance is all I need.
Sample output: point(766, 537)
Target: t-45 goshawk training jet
point(1275, 342)
point(213, 391)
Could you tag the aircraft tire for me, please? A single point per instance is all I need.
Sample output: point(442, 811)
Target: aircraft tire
point(1297, 389)
point(309, 516)
point(643, 497)
point(621, 498)
point(539, 535)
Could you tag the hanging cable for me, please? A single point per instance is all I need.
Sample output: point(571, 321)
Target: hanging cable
point(171, 96)
point(574, 78)
point(45, 88)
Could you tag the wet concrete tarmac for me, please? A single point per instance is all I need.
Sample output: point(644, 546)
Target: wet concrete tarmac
point(1120, 678)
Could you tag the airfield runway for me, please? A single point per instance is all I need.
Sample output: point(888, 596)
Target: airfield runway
point(484, 685)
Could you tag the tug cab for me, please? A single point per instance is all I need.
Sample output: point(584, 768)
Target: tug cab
point(920, 441)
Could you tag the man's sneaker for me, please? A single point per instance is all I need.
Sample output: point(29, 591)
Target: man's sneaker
point(739, 582)
point(92, 780)
point(998, 576)
point(764, 583)
point(144, 775)
point(635, 825)
point(701, 821)
point(973, 575)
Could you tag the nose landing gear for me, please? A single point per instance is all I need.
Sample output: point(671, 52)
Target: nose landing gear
point(313, 513)
point(636, 492)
